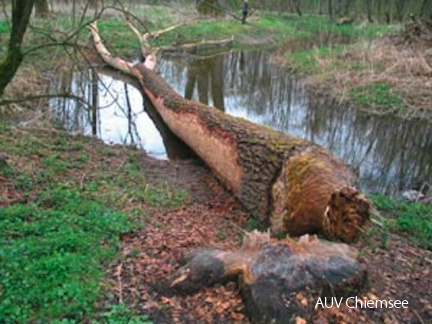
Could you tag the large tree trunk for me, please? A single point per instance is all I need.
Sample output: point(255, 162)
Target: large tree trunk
point(279, 281)
point(297, 185)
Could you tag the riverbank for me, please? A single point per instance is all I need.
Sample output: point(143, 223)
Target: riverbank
point(388, 75)
point(90, 231)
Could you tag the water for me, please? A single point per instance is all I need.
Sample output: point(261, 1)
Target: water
point(120, 117)
point(388, 154)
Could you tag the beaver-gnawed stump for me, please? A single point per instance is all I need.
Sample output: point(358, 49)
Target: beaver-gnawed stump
point(273, 274)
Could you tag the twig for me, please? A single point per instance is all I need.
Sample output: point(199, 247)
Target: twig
point(82, 180)
point(119, 282)
point(418, 316)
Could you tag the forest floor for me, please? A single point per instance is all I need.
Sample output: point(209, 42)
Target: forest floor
point(179, 206)
point(213, 218)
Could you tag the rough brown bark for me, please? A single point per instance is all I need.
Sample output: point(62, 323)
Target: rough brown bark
point(296, 185)
point(273, 274)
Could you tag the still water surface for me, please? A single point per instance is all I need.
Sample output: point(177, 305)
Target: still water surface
point(388, 154)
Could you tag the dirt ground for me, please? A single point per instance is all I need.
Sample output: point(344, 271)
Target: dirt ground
point(214, 218)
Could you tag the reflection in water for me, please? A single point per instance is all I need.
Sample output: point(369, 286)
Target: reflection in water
point(388, 154)
point(119, 118)
point(207, 75)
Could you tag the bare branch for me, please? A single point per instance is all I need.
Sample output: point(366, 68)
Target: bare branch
point(106, 56)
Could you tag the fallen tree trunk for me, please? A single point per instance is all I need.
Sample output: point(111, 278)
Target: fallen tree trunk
point(279, 281)
point(296, 185)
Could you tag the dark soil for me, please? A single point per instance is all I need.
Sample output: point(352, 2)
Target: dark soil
point(214, 218)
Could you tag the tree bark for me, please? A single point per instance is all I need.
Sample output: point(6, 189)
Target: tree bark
point(274, 274)
point(21, 11)
point(297, 185)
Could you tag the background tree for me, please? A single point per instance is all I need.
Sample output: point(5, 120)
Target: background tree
point(208, 7)
point(21, 11)
point(42, 9)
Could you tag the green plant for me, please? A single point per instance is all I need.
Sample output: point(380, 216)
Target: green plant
point(412, 220)
point(161, 196)
point(377, 95)
point(55, 162)
point(120, 314)
point(51, 255)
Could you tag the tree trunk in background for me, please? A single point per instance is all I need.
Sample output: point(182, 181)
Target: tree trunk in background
point(369, 10)
point(426, 9)
point(387, 11)
point(330, 8)
point(347, 7)
point(400, 5)
point(297, 7)
point(208, 7)
point(42, 9)
point(94, 4)
point(21, 11)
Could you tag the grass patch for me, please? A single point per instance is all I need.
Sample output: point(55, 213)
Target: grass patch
point(52, 255)
point(77, 197)
point(378, 95)
point(412, 220)
point(308, 60)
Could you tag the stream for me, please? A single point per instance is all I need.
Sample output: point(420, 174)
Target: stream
point(389, 155)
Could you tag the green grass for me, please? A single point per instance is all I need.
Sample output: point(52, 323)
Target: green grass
point(77, 197)
point(330, 40)
point(52, 255)
point(378, 95)
point(412, 220)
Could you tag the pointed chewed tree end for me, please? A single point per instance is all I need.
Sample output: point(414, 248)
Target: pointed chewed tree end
point(273, 275)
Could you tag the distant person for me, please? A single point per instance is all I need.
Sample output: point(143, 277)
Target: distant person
point(245, 10)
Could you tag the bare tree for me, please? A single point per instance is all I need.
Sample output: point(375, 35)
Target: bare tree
point(369, 10)
point(387, 11)
point(400, 6)
point(296, 4)
point(426, 9)
point(42, 9)
point(21, 11)
point(330, 8)
point(320, 7)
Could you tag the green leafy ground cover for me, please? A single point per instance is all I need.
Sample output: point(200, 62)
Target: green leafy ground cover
point(75, 197)
point(412, 220)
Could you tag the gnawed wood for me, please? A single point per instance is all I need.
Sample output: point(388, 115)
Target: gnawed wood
point(274, 274)
point(298, 186)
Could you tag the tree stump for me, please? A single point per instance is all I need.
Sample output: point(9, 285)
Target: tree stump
point(279, 280)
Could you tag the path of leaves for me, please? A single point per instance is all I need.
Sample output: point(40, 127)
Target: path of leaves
point(214, 218)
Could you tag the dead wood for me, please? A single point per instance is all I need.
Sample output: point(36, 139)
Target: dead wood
point(296, 185)
point(278, 280)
